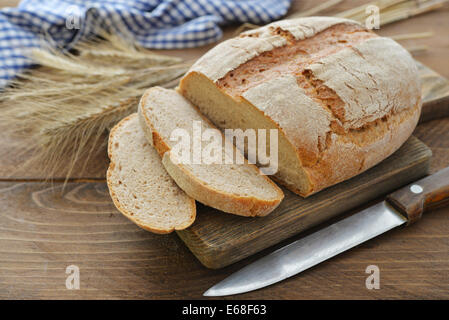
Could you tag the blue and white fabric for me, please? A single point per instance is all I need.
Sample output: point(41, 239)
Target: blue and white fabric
point(157, 24)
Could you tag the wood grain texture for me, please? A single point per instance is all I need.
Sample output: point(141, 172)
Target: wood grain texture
point(435, 94)
point(119, 260)
point(12, 167)
point(219, 239)
point(44, 230)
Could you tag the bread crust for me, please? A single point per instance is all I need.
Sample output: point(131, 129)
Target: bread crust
point(230, 203)
point(242, 205)
point(127, 213)
point(376, 82)
point(230, 54)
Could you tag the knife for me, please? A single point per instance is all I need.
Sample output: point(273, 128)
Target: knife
point(402, 207)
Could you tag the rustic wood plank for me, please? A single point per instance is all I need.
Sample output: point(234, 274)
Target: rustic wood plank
point(13, 158)
point(435, 94)
point(414, 261)
point(9, 3)
point(219, 239)
point(44, 229)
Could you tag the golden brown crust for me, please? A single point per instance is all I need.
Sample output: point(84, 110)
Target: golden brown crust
point(231, 203)
point(369, 90)
point(230, 54)
point(117, 203)
point(381, 139)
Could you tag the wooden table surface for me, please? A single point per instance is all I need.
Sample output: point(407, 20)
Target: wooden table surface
point(45, 228)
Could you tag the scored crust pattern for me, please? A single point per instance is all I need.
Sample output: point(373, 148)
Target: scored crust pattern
point(362, 90)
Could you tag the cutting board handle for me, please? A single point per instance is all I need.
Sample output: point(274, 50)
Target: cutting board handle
point(435, 109)
point(422, 195)
point(435, 94)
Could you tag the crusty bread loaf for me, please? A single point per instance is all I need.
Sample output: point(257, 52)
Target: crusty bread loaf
point(139, 185)
point(234, 188)
point(342, 97)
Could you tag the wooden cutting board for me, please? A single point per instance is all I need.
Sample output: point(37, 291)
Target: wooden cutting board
point(218, 239)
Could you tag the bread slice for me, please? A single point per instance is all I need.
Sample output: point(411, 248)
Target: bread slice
point(342, 98)
point(234, 188)
point(139, 185)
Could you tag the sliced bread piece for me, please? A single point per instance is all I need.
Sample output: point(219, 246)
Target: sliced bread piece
point(234, 188)
point(140, 186)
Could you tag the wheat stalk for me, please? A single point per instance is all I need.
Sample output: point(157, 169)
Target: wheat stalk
point(393, 10)
point(390, 11)
point(409, 36)
point(360, 10)
point(314, 10)
point(416, 50)
point(60, 112)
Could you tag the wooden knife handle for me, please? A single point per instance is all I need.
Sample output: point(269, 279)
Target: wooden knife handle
point(421, 195)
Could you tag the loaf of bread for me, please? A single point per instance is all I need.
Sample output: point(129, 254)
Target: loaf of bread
point(237, 188)
point(139, 185)
point(342, 98)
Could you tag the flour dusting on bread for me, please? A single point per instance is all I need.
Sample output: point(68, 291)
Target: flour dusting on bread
point(342, 98)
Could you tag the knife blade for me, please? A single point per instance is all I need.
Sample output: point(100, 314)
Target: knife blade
point(403, 206)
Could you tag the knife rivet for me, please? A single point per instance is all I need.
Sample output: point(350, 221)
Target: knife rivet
point(417, 189)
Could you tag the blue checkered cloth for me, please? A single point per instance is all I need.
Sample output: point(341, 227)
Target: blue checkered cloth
point(159, 24)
